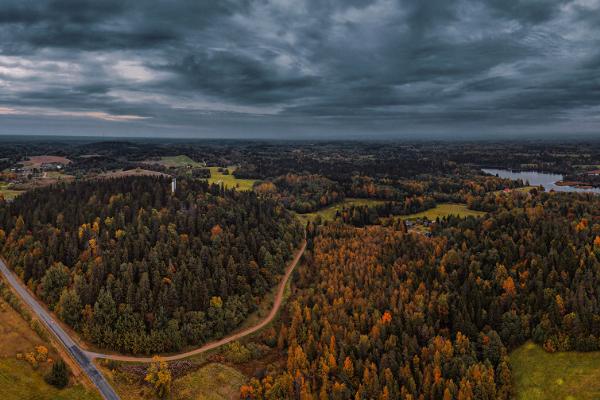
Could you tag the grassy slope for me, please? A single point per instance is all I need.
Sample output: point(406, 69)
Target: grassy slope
point(229, 181)
point(178, 161)
point(18, 380)
point(443, 210)
point(538, 375)
point(328, 213)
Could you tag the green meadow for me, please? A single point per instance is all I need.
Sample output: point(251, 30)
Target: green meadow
point(229, 180)
point(179, 161)
point(538, 375)
point(444, 210)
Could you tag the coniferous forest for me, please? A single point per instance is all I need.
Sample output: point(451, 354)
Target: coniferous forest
point(137, 269)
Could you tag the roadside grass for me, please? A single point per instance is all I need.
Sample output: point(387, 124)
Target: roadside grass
point(17, 335)
point(538, 375)
point(20, 382)
point(229, 180)
point(18, 379)
point(328, 213)
point(178, 161)
point(443, 210)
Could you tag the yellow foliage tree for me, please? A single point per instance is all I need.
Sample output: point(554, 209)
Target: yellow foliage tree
point(41, 353)
point(159, 376)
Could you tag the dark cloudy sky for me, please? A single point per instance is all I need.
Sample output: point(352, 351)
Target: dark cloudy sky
point(299, 68)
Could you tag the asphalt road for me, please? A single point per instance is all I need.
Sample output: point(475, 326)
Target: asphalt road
point(79, 355)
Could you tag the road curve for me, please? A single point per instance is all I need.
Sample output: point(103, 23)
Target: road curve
point(233, 337)
point(77, 353)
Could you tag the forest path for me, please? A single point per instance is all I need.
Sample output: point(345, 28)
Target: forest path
point(231, 338)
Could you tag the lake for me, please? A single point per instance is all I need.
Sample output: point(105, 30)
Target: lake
point(548, 181)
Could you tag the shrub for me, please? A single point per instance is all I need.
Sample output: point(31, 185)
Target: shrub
point(236, 352)
point(59, 375)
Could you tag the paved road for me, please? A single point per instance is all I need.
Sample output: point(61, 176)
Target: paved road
point(236, 336)
point(79, 355)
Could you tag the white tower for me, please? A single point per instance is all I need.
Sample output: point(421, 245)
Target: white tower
point(173, 185)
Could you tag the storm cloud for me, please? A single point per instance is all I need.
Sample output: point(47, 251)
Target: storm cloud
point(299, 68)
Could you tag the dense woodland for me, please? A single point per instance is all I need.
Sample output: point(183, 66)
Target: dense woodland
point(380, 313)
point(303, 193)
point(136, 269)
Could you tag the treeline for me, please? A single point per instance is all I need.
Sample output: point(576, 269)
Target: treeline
point(96, 164)
point(379, 313)
point(136, 269)
point(371, 215)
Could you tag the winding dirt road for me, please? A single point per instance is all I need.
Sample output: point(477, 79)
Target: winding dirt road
point(231, 338)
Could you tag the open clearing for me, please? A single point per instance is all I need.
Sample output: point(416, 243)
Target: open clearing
point(538, 375)
point(131, 172)
point(37, 161)
point(8, 193)
point(229, 180)
point(212, 382)
point(176, 162)
point(524, 189)
point(328, 213)
point(18, 379)
point(444, 210)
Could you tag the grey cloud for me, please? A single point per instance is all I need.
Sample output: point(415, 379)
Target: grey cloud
point(266, 66)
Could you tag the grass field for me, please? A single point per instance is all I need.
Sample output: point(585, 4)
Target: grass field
point(9, 194)
point(17, 336)
point(37, 161)
point(178, 161)
point(444, 210)
point(212, 382)
point(18, 380)
point(328, 213)
point(538, 375)
point(229, 181)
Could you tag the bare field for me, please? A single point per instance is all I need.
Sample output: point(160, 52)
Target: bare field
point(37, 161)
